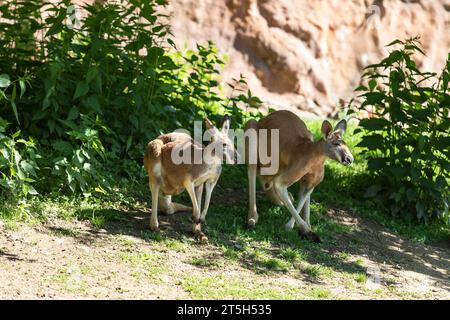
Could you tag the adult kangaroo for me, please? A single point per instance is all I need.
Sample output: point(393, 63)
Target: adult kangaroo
point(300, 159)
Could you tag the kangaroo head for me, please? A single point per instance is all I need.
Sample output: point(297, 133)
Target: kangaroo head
point(223, 145)
point(335, 147)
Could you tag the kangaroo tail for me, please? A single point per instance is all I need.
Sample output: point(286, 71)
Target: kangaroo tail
point(153, 152)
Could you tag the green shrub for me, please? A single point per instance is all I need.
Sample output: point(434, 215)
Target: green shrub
point(17, 163)
point(100, 89)
point(407, 138)
point(18, 168)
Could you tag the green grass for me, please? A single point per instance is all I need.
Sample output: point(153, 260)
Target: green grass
point(71, 278)
point(361, 278)
point(221, 287)
point(145, 263)
point(209, 262)
point(317, 271)
point(292, 255)
point(320, 293)
point(225, 287)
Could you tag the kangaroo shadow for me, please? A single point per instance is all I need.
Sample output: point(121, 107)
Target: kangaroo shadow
point(14, 257)
point(226, 229)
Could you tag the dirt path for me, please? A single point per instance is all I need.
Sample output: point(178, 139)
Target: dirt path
point(73, 259)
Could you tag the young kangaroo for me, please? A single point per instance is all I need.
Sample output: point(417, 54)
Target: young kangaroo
point(168, 177)
point(300, 159)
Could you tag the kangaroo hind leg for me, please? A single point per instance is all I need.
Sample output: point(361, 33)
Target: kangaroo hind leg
point(168, 207)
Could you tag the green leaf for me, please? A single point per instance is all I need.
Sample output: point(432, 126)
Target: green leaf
point(27, 168)
point(372, 142)
point(394, 42)
point(374, 124)
point(14, 107)
point(4, 80)
point(374, 98)
point(56, 28)
point(372, 84)
point(81, 90)
point(421, 144)
point(32, 190)
point(129, 140)
point(91, 74)
point(63, 146)
point(422, 114)
point(154, 53)
point(398, 172)
point(411, 194)
point(415, 173)
point(73, 113)
point(23, 88)
point(420, 209)
point(375, 164)
point(394, 56)
point(372, 191)
point(79, 157)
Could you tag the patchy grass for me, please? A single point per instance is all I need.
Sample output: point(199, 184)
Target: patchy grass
point(319, 293)
point(222, 287)
point(292, 255)
point(208, 261)
point(226, 287)
point(317, 271)
point(149, 264)
point(361, 278)
point(71, 278)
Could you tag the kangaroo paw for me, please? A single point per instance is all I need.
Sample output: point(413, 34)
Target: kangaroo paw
point(155, 229)
point(201, 237)
point(251, 223)
point(180, 207)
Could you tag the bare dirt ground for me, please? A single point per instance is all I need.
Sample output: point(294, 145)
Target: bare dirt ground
point(122, 260)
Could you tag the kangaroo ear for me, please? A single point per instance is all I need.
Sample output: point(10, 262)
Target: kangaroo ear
point(326, 128)
point(208, 123)
point(226, 123)
point(341, 126)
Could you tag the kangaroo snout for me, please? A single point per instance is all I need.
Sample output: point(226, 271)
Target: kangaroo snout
point(348, 160)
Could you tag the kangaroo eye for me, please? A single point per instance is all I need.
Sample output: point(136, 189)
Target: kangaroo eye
point(337, 143)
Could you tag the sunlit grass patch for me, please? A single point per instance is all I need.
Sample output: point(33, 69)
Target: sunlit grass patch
point(207, 261)
point(71, 278)
point(319, 293)
point(292, 255)
point(222, 287)
point(317, 271)
point(151, 264)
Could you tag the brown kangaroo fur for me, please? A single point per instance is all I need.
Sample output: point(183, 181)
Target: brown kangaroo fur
point(167, 178)
point(300, 159)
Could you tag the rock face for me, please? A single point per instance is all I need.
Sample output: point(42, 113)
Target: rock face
point(307, 55)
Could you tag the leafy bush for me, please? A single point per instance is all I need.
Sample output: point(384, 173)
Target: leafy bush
point(97, 90)
point(17, 163)
point(17, 155)
point(407, 138)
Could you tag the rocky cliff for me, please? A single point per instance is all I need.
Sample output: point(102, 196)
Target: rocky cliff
point(307, 55)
